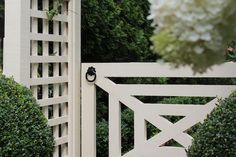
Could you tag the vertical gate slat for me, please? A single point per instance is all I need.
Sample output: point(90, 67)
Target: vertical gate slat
point(114, 127)
point(140, 132)
point(88, 120)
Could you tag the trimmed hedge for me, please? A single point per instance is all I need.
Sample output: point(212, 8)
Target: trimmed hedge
point(23, 128)
point(216, 137)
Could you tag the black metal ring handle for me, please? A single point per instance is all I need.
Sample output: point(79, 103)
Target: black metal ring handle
point(91, 72)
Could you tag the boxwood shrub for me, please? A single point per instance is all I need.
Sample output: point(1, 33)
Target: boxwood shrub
point(216, 137)
point(23, 128)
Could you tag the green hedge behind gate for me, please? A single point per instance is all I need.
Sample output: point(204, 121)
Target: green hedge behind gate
point(23, 128)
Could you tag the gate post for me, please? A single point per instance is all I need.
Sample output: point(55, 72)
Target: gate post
point(16, 42)
point(74, 77)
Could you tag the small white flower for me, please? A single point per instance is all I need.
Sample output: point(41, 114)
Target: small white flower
point(193, 37)
point(189, 20)
point(206, 36)
point(198, 50)
point(169, 48)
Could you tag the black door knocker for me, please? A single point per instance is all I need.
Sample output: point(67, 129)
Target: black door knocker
point(92, 73)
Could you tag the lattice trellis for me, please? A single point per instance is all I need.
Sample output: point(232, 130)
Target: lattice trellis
point(49, 68)
point(44, 55)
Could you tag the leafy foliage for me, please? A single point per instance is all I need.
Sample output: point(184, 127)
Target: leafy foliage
point(115, 31)
point(55, 9)
point(216, 137)
point(231, 51)
point(2, 9)
point(23, 127)
point(102, 138)
point(1, 57)
point(2, 12)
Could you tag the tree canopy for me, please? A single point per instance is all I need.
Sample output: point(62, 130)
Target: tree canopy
point(116, 31)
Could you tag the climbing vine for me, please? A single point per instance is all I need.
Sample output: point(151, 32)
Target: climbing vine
point(51, 13)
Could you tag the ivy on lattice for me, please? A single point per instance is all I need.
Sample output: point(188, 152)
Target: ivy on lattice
point(51, 13)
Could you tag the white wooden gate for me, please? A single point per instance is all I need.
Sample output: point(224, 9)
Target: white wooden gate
point(153, 113)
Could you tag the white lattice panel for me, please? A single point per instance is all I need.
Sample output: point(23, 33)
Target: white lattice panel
point(49, 68)
point(45, 56)
point(151, 112)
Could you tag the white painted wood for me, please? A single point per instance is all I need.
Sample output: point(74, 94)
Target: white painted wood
point(56, 74)
point(64, 72)
point(54, 100)
point(34, 50)
point(45, 54)
point(48, 37)
point(173, 109)
point(162, 152)
point(178, 90)
point(49, 80)
point(61, 140)
point(74, 55)
point(45, 89)
point(140, 131)
point(23, 61)
point(88, 99)
point(64, 127)
point(153, 113)
point(114, 127)
point(158, 121)
point(48, 59)
point(57, 121)
point(16, 42)
point(159, 70)
point(43, 15)
point(45, 96)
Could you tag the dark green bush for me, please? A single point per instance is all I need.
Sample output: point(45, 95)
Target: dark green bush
point(216, 137)
point(23, 128)
point(102, 138)
point(1, 58)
